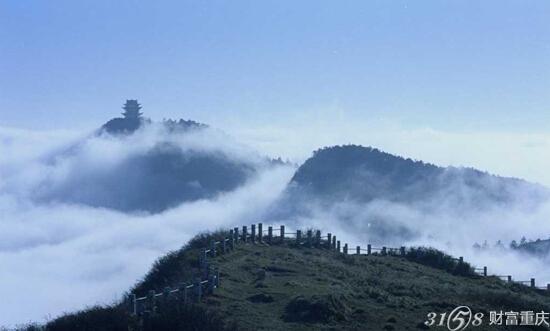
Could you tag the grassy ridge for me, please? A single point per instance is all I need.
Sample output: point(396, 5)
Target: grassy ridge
point(281, 287)
point(277, 288)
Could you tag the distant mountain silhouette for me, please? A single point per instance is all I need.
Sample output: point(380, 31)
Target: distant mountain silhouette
point(133, 119)
point(374, 193)
point(157, 179)
point(539, 247)
point(363, 174)
point(161, 178)
point(123, 125)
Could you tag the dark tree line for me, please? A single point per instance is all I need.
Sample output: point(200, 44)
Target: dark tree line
point(500, 245)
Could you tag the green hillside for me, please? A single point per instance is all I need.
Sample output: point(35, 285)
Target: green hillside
point(294, 287)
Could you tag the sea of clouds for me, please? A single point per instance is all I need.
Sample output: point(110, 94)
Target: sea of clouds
point(58, 257)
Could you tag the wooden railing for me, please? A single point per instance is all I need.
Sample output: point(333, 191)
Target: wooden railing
point(194, 291)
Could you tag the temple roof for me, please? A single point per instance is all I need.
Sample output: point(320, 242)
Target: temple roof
point(131, 108)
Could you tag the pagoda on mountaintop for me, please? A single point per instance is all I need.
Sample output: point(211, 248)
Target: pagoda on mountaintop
point(132, 109)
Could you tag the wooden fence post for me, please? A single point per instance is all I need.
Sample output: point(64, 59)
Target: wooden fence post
point(334, 242)
point(358, 250)
point(548, 287)
point(204, 259)
point(199, 290)
point(461, 260)
point(329, 240)
point(269, 234)
point(384, 251)
point(231, 240)
point(369, 249)
point(338, 246)
point(309, 237)
point(318, 238)
point(165, 296)
point(485, 271)
point(260, 232)
point(282, 233)
point(224, 245)
point(188, 292)
point(532, 282)
point(151, 300)
point(236, 234)
point(213, 248)
point(132, 304)
point(211, 284)
point(253, 233)
point(217, 280)
point(402, 251)
point(183, 293)
point(346, 249)
point(298, 236)
point(244, 233)
point(509, 279)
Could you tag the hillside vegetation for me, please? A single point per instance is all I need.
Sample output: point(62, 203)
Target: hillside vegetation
point(146, 179)
point(539, 247)
point(282, 287)
point(364, 173)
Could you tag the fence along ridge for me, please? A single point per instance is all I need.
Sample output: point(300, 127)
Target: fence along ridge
point(210, 279)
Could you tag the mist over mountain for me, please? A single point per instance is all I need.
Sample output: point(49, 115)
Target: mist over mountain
point(155, 180)
point(155, 171)
point(103, 207)
point(128, 125)
point(392, 199)
point(132, 164)
point(540, 248)
point(363, 174)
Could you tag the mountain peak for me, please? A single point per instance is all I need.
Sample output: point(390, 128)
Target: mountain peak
point(358, 173)
point(133, 119)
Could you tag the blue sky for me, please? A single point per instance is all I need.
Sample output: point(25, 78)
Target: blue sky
point(444, 64)
point(449, 82)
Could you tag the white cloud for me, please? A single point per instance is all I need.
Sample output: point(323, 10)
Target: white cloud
point(513, 154)
point(59, 257)
point(441, 226)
